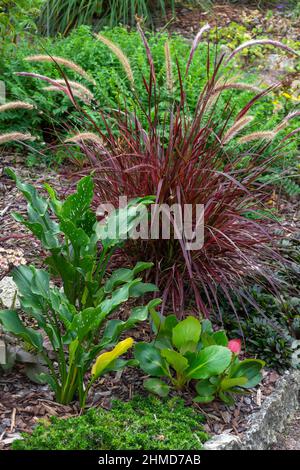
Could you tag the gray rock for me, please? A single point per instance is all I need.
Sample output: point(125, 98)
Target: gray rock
point(265, 425)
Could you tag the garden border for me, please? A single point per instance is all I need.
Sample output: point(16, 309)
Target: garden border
point(265, 425)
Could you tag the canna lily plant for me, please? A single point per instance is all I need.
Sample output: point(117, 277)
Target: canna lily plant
point(68, 321)
point(189, 351)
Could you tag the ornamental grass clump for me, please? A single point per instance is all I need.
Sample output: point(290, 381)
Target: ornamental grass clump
point(209, 155)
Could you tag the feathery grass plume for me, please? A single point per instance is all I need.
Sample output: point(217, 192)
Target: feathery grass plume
point(14, 136)
point(85, 136)
point(77, 85)
point(15, 105)
point(62, 61)
point(75, 92)
point(286, 120)
point(119, 54)
point(264, 135)
point(52, 82)
point(169, 74)
point(236, 128)
point(255, 42)
point(196, 41)
point(291, 134)
point(230, 85)
point(236, 86)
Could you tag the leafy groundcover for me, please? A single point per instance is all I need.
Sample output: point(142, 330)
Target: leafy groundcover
point(143, 423)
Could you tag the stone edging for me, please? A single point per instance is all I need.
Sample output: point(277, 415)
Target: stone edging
point(265, 424)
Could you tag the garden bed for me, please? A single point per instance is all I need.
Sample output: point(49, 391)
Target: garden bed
point(23, 403)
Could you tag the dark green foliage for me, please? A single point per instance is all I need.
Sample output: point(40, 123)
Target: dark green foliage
point(270, 336)
point(142, 423)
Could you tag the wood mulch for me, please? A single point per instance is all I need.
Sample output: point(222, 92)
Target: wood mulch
point(23, 403)
point(16, 241)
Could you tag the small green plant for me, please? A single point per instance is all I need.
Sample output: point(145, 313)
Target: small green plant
point(71, 318)
point(270, 326)
point(190, 350)
point(141, 424)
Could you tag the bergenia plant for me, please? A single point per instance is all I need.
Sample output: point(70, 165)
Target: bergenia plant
point(189, 351)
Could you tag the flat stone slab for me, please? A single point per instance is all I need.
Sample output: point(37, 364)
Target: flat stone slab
point(8, 292)
point(266, 424)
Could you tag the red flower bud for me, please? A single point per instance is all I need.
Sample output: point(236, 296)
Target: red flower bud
point(235, 345)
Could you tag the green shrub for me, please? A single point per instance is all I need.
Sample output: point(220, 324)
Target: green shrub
point(270, 329)
point(191, 350)
point(142, 423)
point(17, 20)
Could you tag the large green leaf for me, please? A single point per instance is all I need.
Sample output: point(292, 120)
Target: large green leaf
point(206, 388)
point(175, 359)
point(220, 338)
point(212, 360)
point(75, 206)
point(38, 218)
point(122, 275)
point(251, 369)
point(229, 383)
point(31, 302)
point(142, 288)
point(150, 360)
point(118, 277)
point(157, 386)
point(77, 236)
point(38, 203)
point(121, 222)
point(86, 321)
point(12, 323)
point(186, 334)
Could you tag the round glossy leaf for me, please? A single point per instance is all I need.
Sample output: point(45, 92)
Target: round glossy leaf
point(150, 359)
point(212, 360)
point(186, 334)
point(157, 386)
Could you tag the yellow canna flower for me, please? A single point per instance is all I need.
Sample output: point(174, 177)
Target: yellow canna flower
point(105, 359)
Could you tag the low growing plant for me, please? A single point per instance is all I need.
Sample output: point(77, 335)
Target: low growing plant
point(190, 350)
point(141, 424)
point(71, 318)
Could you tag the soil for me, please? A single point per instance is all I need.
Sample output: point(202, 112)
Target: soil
point(188, 20)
